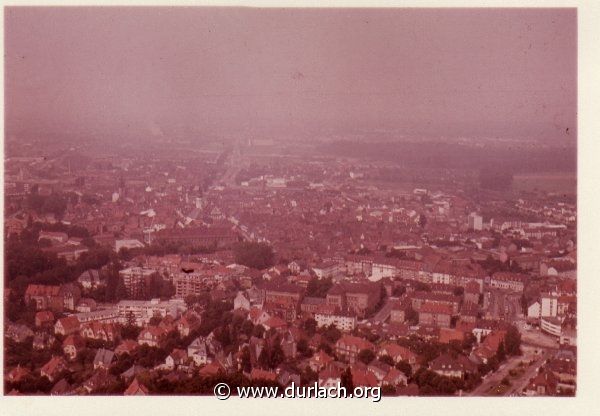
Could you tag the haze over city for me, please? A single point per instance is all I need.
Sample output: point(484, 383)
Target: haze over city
point(470, 72)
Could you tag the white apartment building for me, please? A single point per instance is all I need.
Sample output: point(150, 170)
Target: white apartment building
point(552, 326)
point(475, 222)
point(144, 310)
point(341, 322)
point(549, 305)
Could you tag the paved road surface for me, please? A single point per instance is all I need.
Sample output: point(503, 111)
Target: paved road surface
point(384, 312)
point(494, 379)
point(519, 384)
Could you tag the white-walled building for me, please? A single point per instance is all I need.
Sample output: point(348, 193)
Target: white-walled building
point(144, 310)
point(475, 222)
point(341, 322)
point(549, 305)
point(534, 311)
point(552, 326)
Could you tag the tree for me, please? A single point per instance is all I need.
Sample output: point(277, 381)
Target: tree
point(245, 360)
point(325, 347)
point(405, 367)
point(422, 220)
point(422, 286)
point(318, 287)
point(247, 328)
point(332, 334)
point(130, 317)
point(501, 353)
point(255, 255)
point(303, 348)
point(271, 356)
point(258, 331)
point(388, 390)
point(130, 331)
point(468, 341)
point(346, 380)
point(493, 363)
point(458, 291)
point(310, 326)
point(512, 341)
point(398, 291)
point(366, 356)
point(120, 290)
point(308, 376)
point(277, 356)
point(411, 316)
point(155, 320)
point(387, 360)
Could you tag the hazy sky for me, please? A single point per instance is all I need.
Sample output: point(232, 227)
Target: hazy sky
point(219, 68)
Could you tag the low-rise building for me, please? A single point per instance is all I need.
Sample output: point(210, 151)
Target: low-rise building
point(344, 323)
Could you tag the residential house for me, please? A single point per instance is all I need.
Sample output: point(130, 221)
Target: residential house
point(53, 368)
point(100, 331)
point(435, 314)
point(136, 389)
point(258, 374)
point(510, 281)
point(258, 316)
point(198, 352)
point(103, 359)
point(72, 345)
point(86, 305)
point(43, 340)
point(319, 360)
point(44, 319)
point(18, 333)
point(544, 383)
point(176, 358)
point(357, 298)
point(67, 326)
point(100, 380)
point(241, 302)
point(127, 346)
point(329, 377)
point(397, 352)
point(349, 346)
point(379, 369)
point(211, 369)
point(91, 279)
point(187, 323)
point(62, 388)
point(152, 336)
point(419, 298)
point(363, 378)
point(17, 374)
point(472, 292)
point(395, 378)
point(445, 365)
point(534, 310)
point(286, 378)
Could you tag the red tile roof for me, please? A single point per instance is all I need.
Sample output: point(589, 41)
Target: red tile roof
point(257, 373)
point(436, 308)
point(136, 389)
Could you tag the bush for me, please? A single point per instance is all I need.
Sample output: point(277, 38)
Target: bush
point(366, 356)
